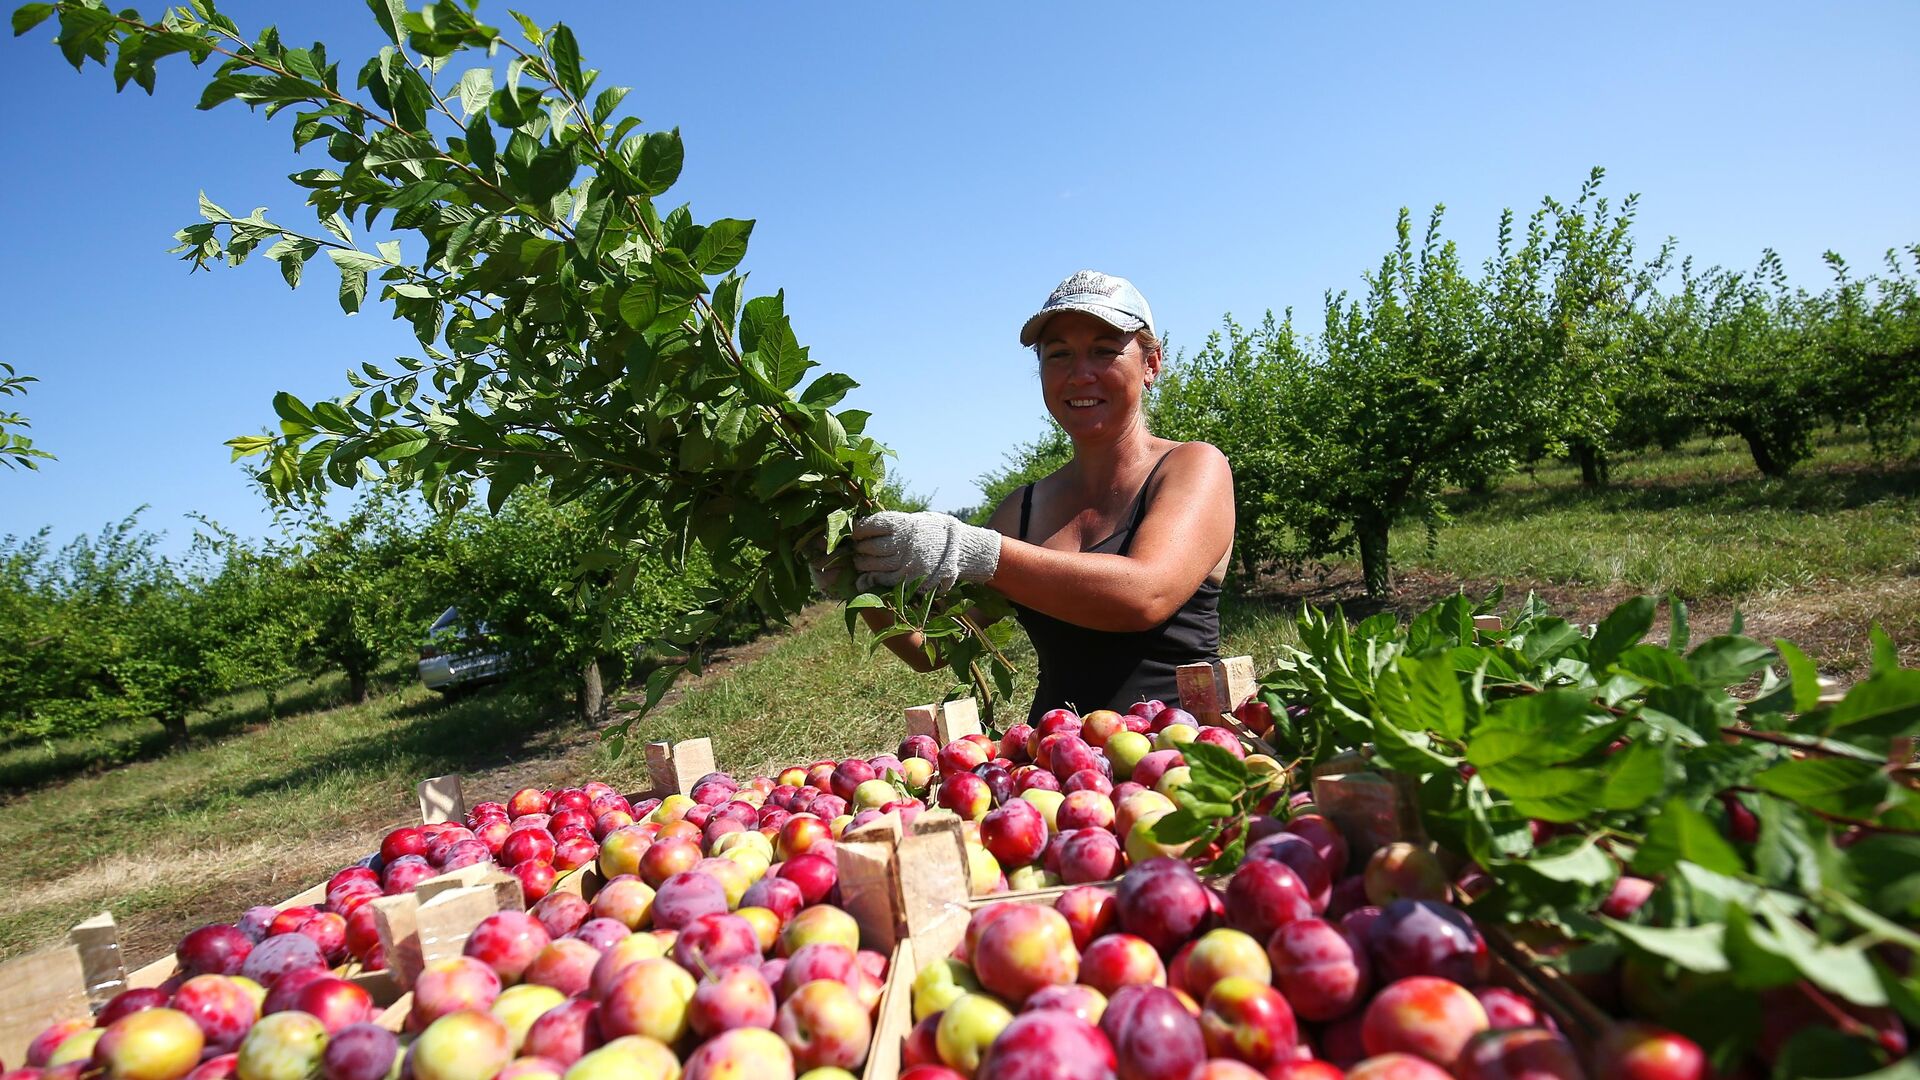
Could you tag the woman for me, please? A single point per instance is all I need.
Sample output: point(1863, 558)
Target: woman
point(1113, 563)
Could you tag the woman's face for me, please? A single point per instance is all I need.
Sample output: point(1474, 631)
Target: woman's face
point(1092, 375)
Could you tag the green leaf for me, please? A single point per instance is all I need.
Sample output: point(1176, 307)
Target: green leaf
point(1834, 785)
point(347, 259)
point(1586, 864)
point(1679, 832)
point(1678, 630)
point(1625, 626)
point(1635, 776)
point(353, 288)
point(1886, 658)
point(1407, 751)
point(28, 16)
point(640, 304)
point(1699, 949)
point(1818, 1052)
point(290, 409)
point(1803, 675)
point(1549, 638)
point(607, 102)
point(837, 524)
point(1725, 660)
point(476, 91)
point(1180, 827)
point(722, 246)
point(249, 445)
point(1551, 794)
point(406, 446)
point(658, 161)
point(1427, 695)
point(566, 60)
point(1886, 704)
point(514, 107)
point(1784, 855)
point(1770, 938)
point(389, 13)
point(1214, 765)
point(549, 174)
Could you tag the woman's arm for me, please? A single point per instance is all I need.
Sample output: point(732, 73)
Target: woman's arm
point(1186, 532)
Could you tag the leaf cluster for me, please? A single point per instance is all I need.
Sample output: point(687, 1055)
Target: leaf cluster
point(1642, 758)
point(16, 448)
point(1217, 805)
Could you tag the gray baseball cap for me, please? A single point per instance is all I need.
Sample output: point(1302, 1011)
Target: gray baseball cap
point(1111, 299)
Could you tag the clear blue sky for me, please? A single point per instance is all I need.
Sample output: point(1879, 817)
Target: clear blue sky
point(923, 174)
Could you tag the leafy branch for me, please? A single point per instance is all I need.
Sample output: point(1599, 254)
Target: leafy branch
point(16, 449)
point(574, 334)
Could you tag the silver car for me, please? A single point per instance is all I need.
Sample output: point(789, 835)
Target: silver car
point(449, 661)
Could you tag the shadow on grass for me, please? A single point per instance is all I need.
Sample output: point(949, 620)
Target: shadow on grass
point(1808, 491)
point(27, 766)
point(485, 728)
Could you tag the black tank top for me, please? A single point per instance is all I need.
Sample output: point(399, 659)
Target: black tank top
point(1104, 669)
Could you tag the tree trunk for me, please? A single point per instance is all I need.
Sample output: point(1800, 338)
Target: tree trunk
point(175, 727)
point(1593, 464)
point(1371, 530)
point(273, 702)
point(356, 686)
point(1763, 456)
point(590, 696)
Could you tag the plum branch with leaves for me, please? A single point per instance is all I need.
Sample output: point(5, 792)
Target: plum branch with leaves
point(1778, 828)
point(570, 333)
point(16, 449)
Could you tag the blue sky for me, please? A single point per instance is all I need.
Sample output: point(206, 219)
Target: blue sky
point(922, 174)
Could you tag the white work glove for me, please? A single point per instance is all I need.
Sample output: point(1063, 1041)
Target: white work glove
point(891, 547)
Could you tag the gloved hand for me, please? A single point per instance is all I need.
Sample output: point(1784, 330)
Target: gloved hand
point(891, 547)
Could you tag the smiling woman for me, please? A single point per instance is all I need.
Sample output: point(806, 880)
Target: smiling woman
point(1113, 563)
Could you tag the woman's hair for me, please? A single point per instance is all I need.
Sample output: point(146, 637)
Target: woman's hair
point(1144, 337)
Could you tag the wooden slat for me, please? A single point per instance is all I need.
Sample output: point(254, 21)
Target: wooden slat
point(441, 799)
point(893, 1019)
point(676, 767)
point(958, 719)
point(37, 990)
point(101, 961)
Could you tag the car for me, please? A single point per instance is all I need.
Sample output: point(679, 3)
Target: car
point(450, 661)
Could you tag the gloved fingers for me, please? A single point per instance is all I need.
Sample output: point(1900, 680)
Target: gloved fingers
point(884, 523)
point(878, 580)
point(880, 564)
point(884, 545)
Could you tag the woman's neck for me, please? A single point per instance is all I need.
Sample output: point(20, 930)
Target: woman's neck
point(1111, 466)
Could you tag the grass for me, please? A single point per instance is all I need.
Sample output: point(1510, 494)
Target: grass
point(1816, 557)
point(256, 814)
point(252, 810)
point(1700, 522)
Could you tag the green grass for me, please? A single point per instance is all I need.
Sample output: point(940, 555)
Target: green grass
point(256, 814)
point(1700, 522)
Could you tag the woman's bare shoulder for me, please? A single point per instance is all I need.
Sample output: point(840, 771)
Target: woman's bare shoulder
point(1196, 460)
